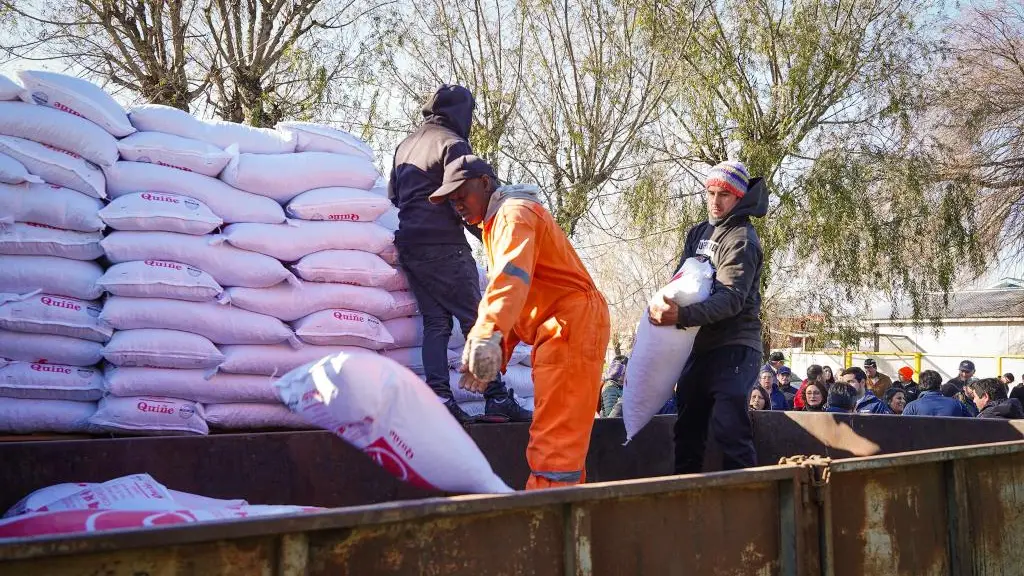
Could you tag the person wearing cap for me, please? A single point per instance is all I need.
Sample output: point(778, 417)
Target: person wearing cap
point(715, 382)
point(784, 383)
point(906, 382)
point(965, 376)
point(541, 294)
point(932, 402)
point(768, 381)
point(775, 361)
point(432, 247)
point(877, 382)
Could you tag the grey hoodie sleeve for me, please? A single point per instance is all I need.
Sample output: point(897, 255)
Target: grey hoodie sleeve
point(738, 261)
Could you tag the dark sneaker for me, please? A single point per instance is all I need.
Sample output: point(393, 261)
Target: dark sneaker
point(459, 414)
point(506, 409)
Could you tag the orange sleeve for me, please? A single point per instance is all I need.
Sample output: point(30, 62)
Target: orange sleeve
point(512, 249)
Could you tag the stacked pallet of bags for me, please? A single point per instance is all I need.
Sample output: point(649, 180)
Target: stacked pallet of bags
point(57, 134)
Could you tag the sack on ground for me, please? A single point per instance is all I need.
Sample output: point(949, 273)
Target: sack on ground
point(387, 412)
point(76, 96)
point(346, 267)
point(405, 305)
point(660, 352)
point(162, 349)
point(14, 172)
point(59, 130)
point(290, 242)
point(285, 176)
point(160, 118)
point(220, 323)
point(160, 279)
point(49, 349)
point(338, 204)
point(228, 265)
point(32, 380)
point(339, 327)
point(311, 137)
point(406, 331)
point(276, 359)
point(194, 385)
point(149, 415)
point(55, 166)
point(41, 499)
point(52, 275)
point(174, 152)
point(289, 302)
point(229, 204)
point(30, 239)
point(50, 205)
point(49, 314)
point(23, 416)
point(153, 211)
point(252, 416)
point(9, 89)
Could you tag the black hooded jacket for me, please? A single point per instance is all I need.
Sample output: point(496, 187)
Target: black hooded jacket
point(1008, 408)
point(731, 315)
point(419, 167)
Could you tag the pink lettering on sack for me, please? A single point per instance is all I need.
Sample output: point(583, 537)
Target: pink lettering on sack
point(144, 406)
point(353, 316)
point(160, 198)
point(50, 368)
point(173, 166)
point(47, 226)
point(343, 217)
point(62, 151)
point(381, 452)
point(162, 264)
point(66, 108)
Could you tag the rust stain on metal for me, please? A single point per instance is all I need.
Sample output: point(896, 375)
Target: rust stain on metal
point(995, 495)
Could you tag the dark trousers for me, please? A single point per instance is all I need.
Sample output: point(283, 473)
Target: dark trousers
point(714, 387)
point(444, 280)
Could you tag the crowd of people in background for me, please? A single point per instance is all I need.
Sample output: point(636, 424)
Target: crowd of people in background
point(862, 390)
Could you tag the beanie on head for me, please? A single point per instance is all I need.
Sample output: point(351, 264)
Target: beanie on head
point(907, 372)
point(731, 175)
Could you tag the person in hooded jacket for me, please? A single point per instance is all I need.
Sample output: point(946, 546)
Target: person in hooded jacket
point(932, 402)
point(716, 379)
point(867, 402)
point(990, 397)
point(432, 246)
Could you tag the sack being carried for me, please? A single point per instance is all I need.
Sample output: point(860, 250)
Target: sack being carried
point(660, 352)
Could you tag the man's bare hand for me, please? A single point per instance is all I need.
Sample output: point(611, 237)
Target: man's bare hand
point(665, 313)
point(470, 382)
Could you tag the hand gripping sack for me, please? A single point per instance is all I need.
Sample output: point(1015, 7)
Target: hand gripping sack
point(52, 275)
point(48, 314)
point(194, 385)
point(289, 302)
point(220, 323)
point(158, 348)
point(28, 239)
point(49, 349)
point(9, 89)
point(346, 267)
point(252, 416)
point(174, 152)
point(391, 415)
point(229, 204)
point(228, 265)
point(14, 172)
point(50, 205)
point(59, 130)
point(152, 211)
point(37, 381)
point(285, 176)
point(56, 166)
point(343, 328)
point(276, 359)
point(149, 415)
point(160, 118)
point(660, 352)
point(23, 416)
point(160, 279)
point(311, 137)
point(290, 242)
point(76, 96)
point(338, 204)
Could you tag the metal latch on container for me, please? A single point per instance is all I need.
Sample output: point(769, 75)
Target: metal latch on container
point(818, 468)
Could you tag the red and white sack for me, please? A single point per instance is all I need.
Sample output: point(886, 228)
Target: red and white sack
point(338, 204)
point(228, 265)
point(276, 359)
point(291, 241)
point(48, 314)
point(346, 267)
point(14, 172)
point(37, 381)
point(389, 254)
point(389, 219)
point(59, 130)
point(660, 352)
point(23, 416)
point(134, 492)
point(229, 204)
point(312, 137)
point(221, 324)
point(250, 416)
point(397, 283)
point(405, 305)
point(406, 331)
point(174, 152)
point(162, 349)
point(29, 239)
point(195, 385)
point(387, 412)
point(40, 499)
point(149, 415)
point(156, 212)
point(410, 357)
point(339, 327)
point(9, 89)
point(285, 176)
point(50, 205)
point(159, 118)
point(52, 275)
point(47, 348)
point(76, 96)
point(56, 166)
point(160, 279)
point(289, 302)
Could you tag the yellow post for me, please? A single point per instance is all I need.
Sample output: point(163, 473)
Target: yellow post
point(847, 359)
point(917, 364)
point(999, 365)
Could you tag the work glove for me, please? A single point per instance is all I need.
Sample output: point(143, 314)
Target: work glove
point(481, 360)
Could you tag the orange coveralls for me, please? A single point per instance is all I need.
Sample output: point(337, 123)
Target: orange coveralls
point(541, 294)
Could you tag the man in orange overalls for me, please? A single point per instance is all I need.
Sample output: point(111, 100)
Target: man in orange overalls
point(541, 294)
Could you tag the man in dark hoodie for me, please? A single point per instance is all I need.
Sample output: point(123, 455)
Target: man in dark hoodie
point(716, 380)
point(992, 402)
point(432, 246)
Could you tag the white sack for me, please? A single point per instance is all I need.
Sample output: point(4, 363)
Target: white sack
point(521, 354)
point(406, 332)
point(338, 204)
point(50, 382)
point(44, 497)
point(76, 96)
point(195, 385)
point(660, 352)
point(56, 166)
point(458, 339)
point(52, 275)
point(343, 328)
point(49, 349)
point(14, 172)
point(156, 212)
point(226, 202)
point(405, 305)
point(29, 239)
point(289, 302)
point(276, 359)
point(389, 219)
point(175, 152)
point(397, 283)
point(228, 265)
point(162, 349)
point(50, 205)
point(48, 314)
point(387, 412)
point(150, 415)
point(220, 323)
point(160, 279)
point(285, 176)
point(9, 89)
point(311, 137)
point(410, 357)
point(159, 118)
point(59, 130)
point(291, 241)
point(389, 254)
point(516, 378)
point(21, 416)
point(346, 267)
point(250, 416)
